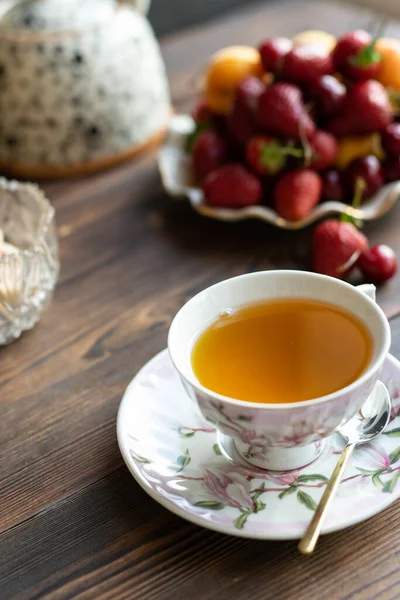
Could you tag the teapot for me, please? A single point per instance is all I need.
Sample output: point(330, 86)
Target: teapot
point(82, 85)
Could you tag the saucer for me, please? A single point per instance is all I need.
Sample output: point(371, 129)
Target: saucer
point(184, 464)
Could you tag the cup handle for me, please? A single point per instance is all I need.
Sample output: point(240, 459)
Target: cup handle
point(368, 289)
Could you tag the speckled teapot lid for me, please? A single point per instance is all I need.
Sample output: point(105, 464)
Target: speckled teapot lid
point(53, 15)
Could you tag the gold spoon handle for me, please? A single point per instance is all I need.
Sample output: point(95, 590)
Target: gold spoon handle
point(310, 538)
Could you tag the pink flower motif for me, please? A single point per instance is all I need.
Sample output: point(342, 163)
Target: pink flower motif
point(232, 488)
point(249, 436)
point(283, 478)
point(349, 488)
point(258, 444)
point(372, 457)
point(394, 391)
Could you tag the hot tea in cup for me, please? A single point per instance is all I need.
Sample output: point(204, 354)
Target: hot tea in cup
point(285, 350)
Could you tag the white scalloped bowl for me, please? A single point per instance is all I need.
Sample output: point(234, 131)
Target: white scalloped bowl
point(178, 181)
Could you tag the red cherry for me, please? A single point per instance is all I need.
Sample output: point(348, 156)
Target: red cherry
point(327, 93)
point(241, 123)
point(248, 92)
point(273, 52)
point(368, 169)
point(391, 168)
point(378, 264)
point(391, 139)
point(208, 152)
point(332, 188)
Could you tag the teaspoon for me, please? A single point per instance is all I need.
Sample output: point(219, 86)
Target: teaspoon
point(365, 426)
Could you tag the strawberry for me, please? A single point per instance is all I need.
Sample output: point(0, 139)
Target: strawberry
point(232, 186)
point(365, 109)
point(356, 57)
point(306, 63)
point(273, 52)
point(324, 149)
point(208, 152)
point(281, 112)
point(336, 246)
point(268, 156)
point(296, 193)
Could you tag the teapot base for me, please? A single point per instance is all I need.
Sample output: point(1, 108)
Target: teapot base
point(32, 171)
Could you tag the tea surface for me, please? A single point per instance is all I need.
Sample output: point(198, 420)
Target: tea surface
point(282, 351)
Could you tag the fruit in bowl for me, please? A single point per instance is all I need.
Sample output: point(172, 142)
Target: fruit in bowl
point(297, 122)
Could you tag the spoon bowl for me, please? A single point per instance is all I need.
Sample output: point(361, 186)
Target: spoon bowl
point(371, 419)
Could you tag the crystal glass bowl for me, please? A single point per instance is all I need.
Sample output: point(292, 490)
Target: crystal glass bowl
point(27, 276)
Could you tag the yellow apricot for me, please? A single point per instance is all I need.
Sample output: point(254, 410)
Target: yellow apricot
point(226, 68)
point(352, 147)
point(315, 37)
point(389, 69)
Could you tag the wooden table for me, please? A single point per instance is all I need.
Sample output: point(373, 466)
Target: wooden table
point(73, 522)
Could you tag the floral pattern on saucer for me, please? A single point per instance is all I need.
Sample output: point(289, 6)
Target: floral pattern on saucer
point(179, 459)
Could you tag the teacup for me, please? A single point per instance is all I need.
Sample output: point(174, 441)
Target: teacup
point(278, 436)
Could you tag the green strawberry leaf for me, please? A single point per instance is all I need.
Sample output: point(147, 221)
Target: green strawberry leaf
point(369, 55)
point(312, 477)
point(213, 505)
point(306, 500)
point(395, 455)
point(391, 484)
point(393, 432)
point(366, 57)
point(183, 460)
point(287, 492)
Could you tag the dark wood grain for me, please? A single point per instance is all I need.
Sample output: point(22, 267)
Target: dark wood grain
point(73, 523)
point(113, 541)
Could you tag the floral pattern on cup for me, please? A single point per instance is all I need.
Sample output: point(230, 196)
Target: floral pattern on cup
point(285, 431)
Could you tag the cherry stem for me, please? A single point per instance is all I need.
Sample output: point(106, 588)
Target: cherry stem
point(359, 188)
point(381, 29)
point(297, 152)
point(358, 191)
